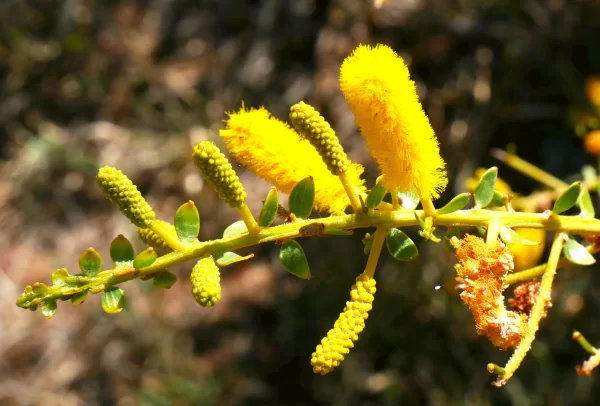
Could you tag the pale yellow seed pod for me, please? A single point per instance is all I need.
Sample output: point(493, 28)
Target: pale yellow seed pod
point(206, 282)
point(330, 353)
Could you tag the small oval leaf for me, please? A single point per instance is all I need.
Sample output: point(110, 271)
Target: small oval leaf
point(79, 298)
point(400, 246)
point(121, 250)
point(294, 260)
point(586, 205)
point(484, 192)
point(453, 232)
point(456, 204)
point(59, 277)
point(164, 280)
point(228, 258)
point(376, 194)
point(576, 253)
point(510, 236)
point(90, 262)
point(410, 200)
point(187, 222)
point(497, 199)
point(302, 198)
point(113, 300)
point(235, 229)
point(269, 209)
point(49, 308)
point(567, 199)
point(145, 258)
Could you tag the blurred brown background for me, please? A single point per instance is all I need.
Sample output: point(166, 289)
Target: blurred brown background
point(135, 84)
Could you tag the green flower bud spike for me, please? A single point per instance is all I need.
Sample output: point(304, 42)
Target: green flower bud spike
point(206, 282)
point(312, 126)
point(121, 191)
point(219, 174)
point(150, 238)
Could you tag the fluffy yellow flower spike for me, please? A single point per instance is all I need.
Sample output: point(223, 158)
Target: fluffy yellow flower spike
point(377, 86)
point(276, 153)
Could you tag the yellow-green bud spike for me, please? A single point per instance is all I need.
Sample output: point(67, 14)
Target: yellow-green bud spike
point(149, 237)
point(121, 191)
point(206, 282)
point(217, 171)
point(319, 133)
point(330, 353)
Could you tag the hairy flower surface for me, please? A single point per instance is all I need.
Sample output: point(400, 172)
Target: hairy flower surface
point(276, 153)
point(377, 86)
point(482, 267)
point(330, 353)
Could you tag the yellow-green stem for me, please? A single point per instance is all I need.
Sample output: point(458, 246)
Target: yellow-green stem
point(493, 230)
point(428, 207)
point(530, 170)
point(543, 297)
point(248, 219)
point(395, 200)
point(378, 240)
point(532, 273)
point(169, 238)
point(351, 191)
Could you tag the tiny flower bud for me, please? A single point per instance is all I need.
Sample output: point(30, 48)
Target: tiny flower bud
point(149, 237)
point(218, 172)
point(330, 353)
point(206, 282)
point(119, 189)
point(312, 126)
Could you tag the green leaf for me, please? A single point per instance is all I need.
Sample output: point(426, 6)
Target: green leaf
point(586, 205)
point(498, 199)
point(376, 194)
point(187, 222)
point(235, 229)
point(576, 253)
point(121, 250)
point(145, 258)
point(39, 288)
point(113, 300)
point(302, 198)
point(269, 209)
point(90, 262)
point(164, 280)
point(401, 246)
point(228, 258)
point(59, 277)
point(510, 236)
point(567, 199)
point(294, 260)
point(484, 192)
point(453, 232)
point(49, 308)
point(79, 298)
point(458, 203)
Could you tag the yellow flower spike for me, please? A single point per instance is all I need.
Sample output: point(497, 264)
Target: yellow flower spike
point(377, 86)
point(121, 191)
point(150, 238)
point(206, 282)
point(338, 341)
point(276, 153)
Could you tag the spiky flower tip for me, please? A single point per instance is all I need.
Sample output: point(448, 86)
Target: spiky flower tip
point(217, 171)
point(377, 86)
point(482, 268)
point(330, 353)
point(121, 191)
point(150, 238)
point(312, 126)
point(206, 282)
point(275, 152)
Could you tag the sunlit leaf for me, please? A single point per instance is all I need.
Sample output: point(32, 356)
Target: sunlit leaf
point(400, 246)
point(567, 199)
point(145, 258)
point(228, 258)
point(510, 236)
point(484, 192)
point(113, 300)
point(269, 209)
point(294, 260)
point(586, 205)
point(90, 262)
point(236, 229)
point(576, 253)
point(458, 203)
point(164, 280)
point(376, 194)
point(187, 222)
point(121, 250)
point(49, 308)
point(302, 198)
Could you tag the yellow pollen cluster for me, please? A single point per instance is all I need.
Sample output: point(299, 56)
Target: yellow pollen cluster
point(121, 191)
point(377, 86)
point(330, 353)
point(482, 268)
point(272, 150)
point(206, 282)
